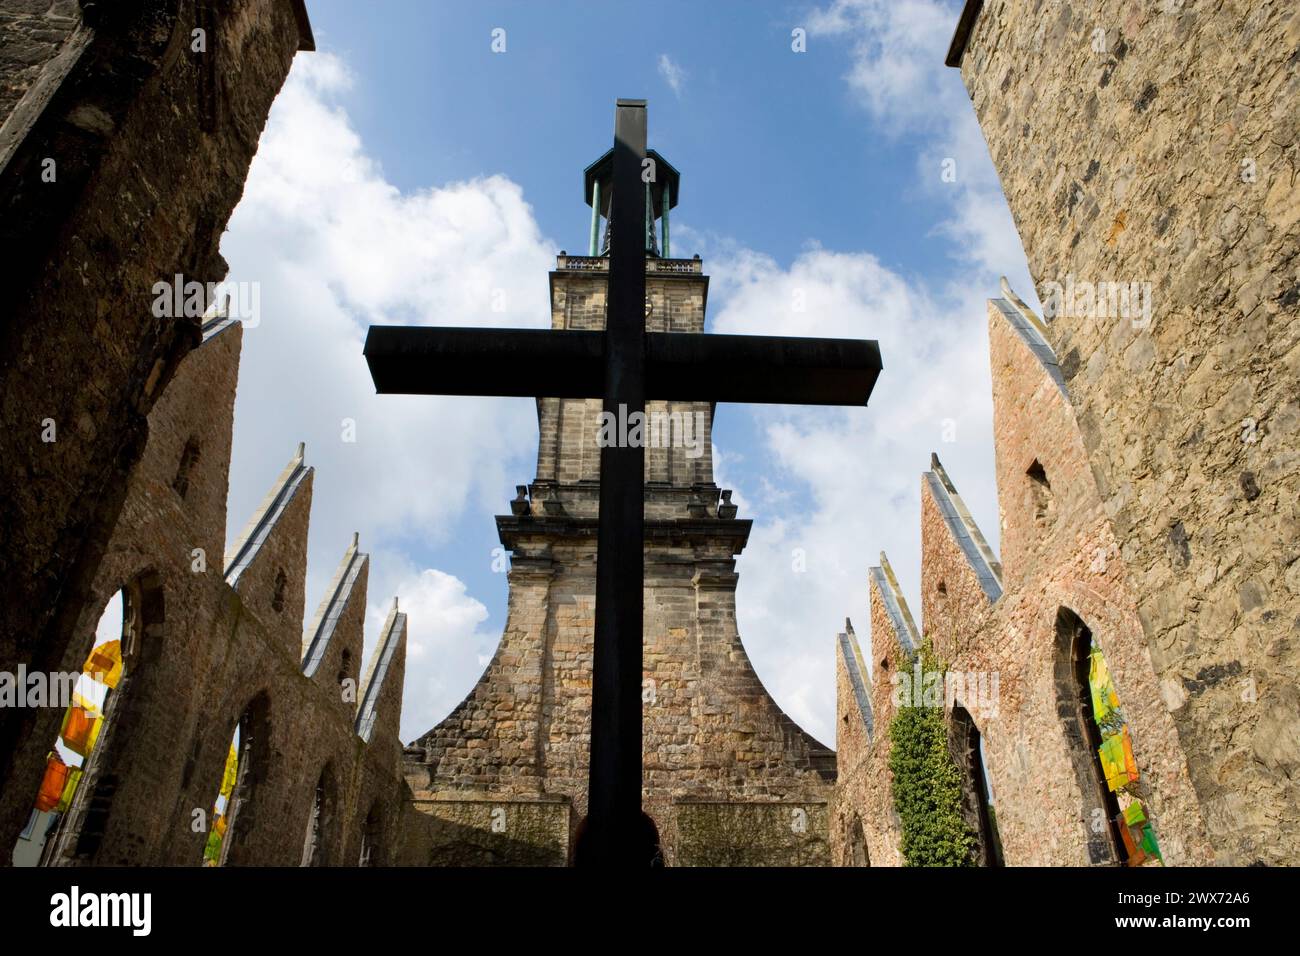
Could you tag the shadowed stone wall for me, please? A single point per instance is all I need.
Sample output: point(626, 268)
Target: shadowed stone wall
point(123, 151)
point(210, 646)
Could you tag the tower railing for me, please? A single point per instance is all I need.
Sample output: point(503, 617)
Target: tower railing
point(566, 263)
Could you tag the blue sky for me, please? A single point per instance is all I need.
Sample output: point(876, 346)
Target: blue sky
point(772, 145)
point(408, 173)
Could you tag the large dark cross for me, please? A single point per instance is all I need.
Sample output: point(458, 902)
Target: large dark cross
point(624, 364)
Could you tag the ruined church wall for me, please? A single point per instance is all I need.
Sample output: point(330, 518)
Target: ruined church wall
point(863, 793)
point(150, 159)
point(204, 655)
point(1163, 151)
point(1047, 811)
point(712, 734)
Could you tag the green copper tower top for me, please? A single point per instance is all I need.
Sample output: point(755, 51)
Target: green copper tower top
point(662, 182)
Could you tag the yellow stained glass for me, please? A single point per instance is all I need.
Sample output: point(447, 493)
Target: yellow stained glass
point(105, 663)
point(231, 772)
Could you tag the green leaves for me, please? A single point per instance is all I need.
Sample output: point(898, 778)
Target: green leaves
point(927, 785)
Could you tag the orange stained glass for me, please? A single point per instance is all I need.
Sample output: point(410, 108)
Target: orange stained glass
point(56, 776)
point(80, 730)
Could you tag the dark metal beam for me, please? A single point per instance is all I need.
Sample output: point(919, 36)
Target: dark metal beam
point(614, 782)
point(961, 36)
point(458, 361)
point(686, 366)
point(680, 366)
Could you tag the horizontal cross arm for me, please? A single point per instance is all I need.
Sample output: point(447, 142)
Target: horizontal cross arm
point(680, 366)
point(526, 363)
point(777, 370)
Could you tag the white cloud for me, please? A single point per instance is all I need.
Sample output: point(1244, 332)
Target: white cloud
point(845, 483)
point(336, 247)
point(898, 47)
point(897, 76)
point(446, 645)
point(672, 73)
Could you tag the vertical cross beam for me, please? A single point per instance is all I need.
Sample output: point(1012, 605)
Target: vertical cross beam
point(614, 786)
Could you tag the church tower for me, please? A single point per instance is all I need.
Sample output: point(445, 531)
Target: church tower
point(728, 777)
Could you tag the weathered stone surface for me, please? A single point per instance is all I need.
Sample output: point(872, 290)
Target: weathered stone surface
point(1059, 553)
point(208, 653)
point(1170, 159)
point(150, 144)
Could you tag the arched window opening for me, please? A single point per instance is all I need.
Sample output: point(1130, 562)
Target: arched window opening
point(976, 790)
point(250, 745)
point(189, 458)
point(89, 701)
point(320, 823)
point(1119, 827)
point(1040, 495)
point(857, 844)
point(371, 838)
point(219, 818)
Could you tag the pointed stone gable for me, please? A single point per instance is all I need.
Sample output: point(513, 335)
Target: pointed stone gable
point(959, 577)
point(864, 794)
point(849, 668)
point(332, 646)
point(267, 566)
point(379, 716)
point(906, 639)
point(1043, 476)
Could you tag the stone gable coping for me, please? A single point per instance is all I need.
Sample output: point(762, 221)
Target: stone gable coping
point(264, 519)
point(964, 530)
point(909, 638)
point(391, 637)
point(853, 666)
point(332, 607)
point(1032, 331)
point(216, 325)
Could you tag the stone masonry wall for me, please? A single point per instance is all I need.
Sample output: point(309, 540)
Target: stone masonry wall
point(1156, 143)
point(150, 144)
point(1059, 553)
point(207, 654)
point(863, 789)
point(34, 31)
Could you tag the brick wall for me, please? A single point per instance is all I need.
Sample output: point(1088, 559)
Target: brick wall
point(1058, 553)
point(208, 653)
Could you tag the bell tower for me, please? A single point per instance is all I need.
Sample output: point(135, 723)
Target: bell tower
point(661, 184)
point(727, 776)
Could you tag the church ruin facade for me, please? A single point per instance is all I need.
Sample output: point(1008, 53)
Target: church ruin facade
point(1146, 468)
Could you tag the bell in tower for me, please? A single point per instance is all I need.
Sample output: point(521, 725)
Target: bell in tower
point(661, 185)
